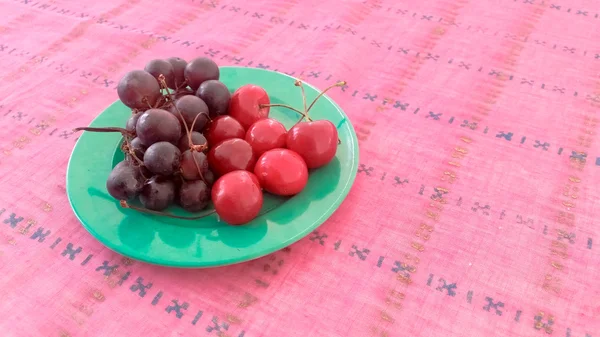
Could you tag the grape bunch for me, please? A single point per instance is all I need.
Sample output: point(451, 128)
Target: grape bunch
point(189, 141)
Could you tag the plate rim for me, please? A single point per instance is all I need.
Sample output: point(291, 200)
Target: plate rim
point(317, 222)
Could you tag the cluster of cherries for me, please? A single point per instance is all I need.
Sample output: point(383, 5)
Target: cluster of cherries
point(190, 141)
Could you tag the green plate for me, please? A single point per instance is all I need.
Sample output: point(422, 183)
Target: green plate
point(208, 242)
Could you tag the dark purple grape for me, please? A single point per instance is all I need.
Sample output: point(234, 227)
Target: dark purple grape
point(132, 121)
point(191, 106)
point(138, 148)
point(194, 195)
point(124, 181)
point(157, 125)
point(209, 176)
point(197, 139)
point(157, 193)
point(162, 158)
point(189, 170)
point(216, 96)
point(178, 69)
point(199, 70)
point(157, 67)
point(138, 89)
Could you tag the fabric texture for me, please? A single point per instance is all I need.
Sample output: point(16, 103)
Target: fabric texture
point(474, 211)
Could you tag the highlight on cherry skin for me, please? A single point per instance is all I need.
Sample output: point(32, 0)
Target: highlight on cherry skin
point(191, 143)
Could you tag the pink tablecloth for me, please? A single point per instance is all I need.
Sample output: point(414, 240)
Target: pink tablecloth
point(474, 212)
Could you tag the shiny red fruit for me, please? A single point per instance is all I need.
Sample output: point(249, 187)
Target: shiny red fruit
point(315, 141)
point(237, 198)
point(266, 134)
point(281, 172)
point(231, 155)
point(245, 104)
point(222, 128)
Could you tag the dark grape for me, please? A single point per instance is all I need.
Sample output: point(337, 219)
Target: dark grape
point(132, 121)
point(197, 139)
point(159, 67)
point(190, 107)
point(199, 70)
point(138, 148)
point(157, 193)
point(189, 170)
point(157, 125)
point(194, 195)
point(178, 69)
point(138, 89)
point(209, 176)
point(216, 96)
point(162, 158)
point(124, 181)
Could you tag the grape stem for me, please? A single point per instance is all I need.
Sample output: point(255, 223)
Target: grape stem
point(196, 147)
point(183, 85)
point(163, 83)
point(193, 148)
point(127, 148)
point(124, 204)
point(124, 132)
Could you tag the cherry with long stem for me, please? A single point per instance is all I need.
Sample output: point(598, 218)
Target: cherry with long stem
point(304, 114)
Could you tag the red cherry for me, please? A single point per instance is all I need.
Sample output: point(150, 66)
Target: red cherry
point(245, 104)
point(236, 197)
point(281, 172)
point(222, 128)
point(266, 134)
point(231, 155)
point(315, 141)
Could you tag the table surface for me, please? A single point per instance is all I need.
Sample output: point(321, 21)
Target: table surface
point(475, 207)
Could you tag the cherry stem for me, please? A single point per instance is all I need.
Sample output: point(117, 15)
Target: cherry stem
point(124, 204)
point(338, 84)
point(287, 107)
point(298, 83)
